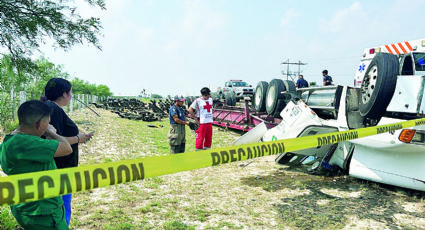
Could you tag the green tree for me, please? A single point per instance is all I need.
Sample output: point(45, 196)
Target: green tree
point(156, 96)
point(78, 86)
point(32, 79)
point(24, 25)
point(44, 71)
point(103, 91)
point(92, 89)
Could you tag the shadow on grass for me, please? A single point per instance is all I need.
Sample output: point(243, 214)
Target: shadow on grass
point(349, 198)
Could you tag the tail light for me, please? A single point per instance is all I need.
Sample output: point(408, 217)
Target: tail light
point(406, 135)
point(412, 136)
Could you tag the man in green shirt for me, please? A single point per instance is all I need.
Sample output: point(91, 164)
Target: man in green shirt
point(24, 151)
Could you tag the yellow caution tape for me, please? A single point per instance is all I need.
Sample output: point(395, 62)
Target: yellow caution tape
point(28, 187)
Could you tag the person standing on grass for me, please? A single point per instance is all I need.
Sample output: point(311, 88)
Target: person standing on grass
point(204, 114)
point(24, 151)
point(58, 93)
point(177, 134)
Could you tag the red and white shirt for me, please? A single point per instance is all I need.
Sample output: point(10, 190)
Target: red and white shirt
point(203, 110)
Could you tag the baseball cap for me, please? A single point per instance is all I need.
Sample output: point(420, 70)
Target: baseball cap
point(178, 98)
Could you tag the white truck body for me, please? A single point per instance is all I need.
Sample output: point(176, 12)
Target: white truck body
point(382, 158)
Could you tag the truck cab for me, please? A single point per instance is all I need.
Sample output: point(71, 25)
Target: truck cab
point(389, 88)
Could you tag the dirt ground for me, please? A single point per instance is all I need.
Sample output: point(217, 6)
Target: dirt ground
point(260, 195)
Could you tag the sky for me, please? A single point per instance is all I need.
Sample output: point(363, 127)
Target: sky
point(176, 47)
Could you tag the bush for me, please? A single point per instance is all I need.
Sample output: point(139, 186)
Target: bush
point(7, 221)
point(7, 111)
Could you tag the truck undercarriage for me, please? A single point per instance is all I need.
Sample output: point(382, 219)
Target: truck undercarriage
point(385, 97)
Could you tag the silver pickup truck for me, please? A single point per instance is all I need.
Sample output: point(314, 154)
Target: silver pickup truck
point(237, 89)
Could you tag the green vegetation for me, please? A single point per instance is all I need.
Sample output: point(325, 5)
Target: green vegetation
point(25, 25)
point(262, 195)
point(33, 81)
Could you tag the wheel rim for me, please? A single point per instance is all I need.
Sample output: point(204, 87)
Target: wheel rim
point(258, 94)
point(369, 83)
point(270, 96)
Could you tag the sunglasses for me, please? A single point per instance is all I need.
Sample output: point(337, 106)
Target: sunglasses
point(41, 118)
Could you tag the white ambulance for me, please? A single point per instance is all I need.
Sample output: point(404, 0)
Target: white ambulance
point(410, 53)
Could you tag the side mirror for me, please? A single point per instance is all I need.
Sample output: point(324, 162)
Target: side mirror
point(230, 85)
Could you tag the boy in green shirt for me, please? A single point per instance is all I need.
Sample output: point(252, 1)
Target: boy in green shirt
point(25, 151)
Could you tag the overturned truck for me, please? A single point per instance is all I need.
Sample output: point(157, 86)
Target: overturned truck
point(390, 88)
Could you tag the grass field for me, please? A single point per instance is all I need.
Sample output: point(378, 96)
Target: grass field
point(262, 195)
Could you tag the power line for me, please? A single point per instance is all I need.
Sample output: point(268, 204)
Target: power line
point(287, 63)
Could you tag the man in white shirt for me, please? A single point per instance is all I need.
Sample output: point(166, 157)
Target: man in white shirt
point(203, 106)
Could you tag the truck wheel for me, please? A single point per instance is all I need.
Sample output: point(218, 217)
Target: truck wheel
point(260, 96)
point(378, 85)
point(230, 99)
point(281, 103)
point(274, 93)
point(233, 99)
point(290, 86)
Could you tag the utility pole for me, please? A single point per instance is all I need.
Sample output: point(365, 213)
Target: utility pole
point(287, 63)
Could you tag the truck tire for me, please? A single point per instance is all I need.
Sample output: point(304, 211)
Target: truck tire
point(274, 93)
point(260, 96)
point(230, 99)
point(290, 86)
point(378, 85)
point(234, 99)
point(281, 103)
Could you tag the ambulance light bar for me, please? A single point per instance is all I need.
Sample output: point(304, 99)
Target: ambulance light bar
point(374, 50)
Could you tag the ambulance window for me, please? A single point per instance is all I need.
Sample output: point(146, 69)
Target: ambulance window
point(419, 61)
point(407, 66)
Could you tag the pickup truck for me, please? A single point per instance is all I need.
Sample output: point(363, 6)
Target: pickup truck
point(389, 88)
point(239, 88)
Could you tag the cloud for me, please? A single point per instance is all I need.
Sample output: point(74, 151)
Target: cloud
point(290, 15)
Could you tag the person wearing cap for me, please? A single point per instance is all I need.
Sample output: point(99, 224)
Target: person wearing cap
point(204, 114)
point(177, 134)
point(327, 80)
